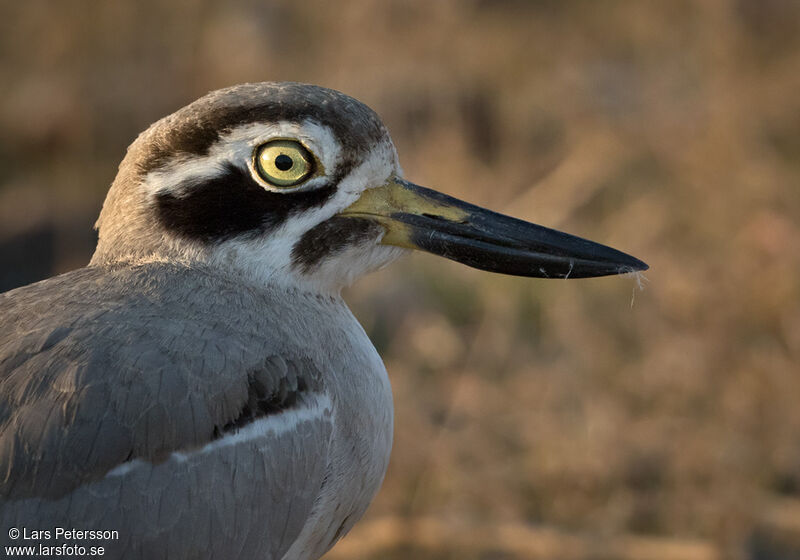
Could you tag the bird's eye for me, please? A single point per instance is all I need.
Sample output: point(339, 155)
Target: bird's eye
point(283, 163)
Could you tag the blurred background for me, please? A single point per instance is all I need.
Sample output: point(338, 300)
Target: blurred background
point(591, 419)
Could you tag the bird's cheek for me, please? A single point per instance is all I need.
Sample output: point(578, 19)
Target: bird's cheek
point(339, 239)
point(343, 267)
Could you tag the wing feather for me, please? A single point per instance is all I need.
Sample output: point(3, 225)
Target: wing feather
point(163, 402)
point(102, 367)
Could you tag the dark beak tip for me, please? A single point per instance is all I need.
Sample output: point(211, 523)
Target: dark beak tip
point(621, 265)
point(633, 265)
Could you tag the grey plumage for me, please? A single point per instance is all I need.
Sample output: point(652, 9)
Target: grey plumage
point(158, 365)
point(187, 389)
point(201, 387)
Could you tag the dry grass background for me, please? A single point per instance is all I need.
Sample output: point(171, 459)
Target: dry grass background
point(535, 419)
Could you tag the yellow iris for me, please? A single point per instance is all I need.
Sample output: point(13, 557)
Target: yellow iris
point(284, 163)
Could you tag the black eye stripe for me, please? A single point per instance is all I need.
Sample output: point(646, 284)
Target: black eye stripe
point(233, 204)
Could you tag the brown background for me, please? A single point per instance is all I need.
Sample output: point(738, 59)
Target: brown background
point(535, 419)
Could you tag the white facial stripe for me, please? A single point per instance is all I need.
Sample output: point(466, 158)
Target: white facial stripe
point(318, 407)
point(268, 259)
point(237, 148)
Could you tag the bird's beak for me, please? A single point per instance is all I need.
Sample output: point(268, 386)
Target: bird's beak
point(418, 218)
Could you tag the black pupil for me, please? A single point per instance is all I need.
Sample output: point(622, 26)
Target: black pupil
point(283, 162)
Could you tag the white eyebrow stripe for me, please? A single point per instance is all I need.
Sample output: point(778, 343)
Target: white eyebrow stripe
point(236, 148)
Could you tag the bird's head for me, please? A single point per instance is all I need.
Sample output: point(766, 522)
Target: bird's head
point(296, 185)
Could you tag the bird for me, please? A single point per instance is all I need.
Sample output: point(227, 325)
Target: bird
point(200, 389)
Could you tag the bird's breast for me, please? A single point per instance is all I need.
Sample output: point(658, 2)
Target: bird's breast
point(361, 440)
